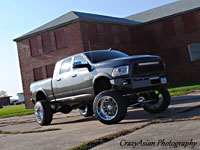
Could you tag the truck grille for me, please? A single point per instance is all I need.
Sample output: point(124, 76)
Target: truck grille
point(148, 68)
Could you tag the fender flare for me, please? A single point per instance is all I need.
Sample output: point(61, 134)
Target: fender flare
point(100, 76)
point(44, 92)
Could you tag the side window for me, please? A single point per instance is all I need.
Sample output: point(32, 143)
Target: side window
point(65, 66)
point(81, 59)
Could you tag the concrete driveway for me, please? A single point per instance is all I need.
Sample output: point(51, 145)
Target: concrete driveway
point(72, 129)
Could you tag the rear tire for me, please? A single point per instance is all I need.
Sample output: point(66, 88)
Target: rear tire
point(86, 110)
point(43, 113)
point(162, 101)
point(109, 107)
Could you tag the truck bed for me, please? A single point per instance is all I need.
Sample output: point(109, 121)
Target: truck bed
point(45, 85)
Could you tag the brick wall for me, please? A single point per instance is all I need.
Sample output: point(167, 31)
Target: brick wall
point(28, 63)
point(98, 36)
point(173, 45)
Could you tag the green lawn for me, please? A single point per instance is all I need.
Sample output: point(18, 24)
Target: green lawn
point(20, 110)
point(182, 90)
point(16, 110)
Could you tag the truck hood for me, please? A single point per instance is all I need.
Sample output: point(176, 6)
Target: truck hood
point(130, 59)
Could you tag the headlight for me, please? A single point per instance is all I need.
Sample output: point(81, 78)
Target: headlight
point(119, 71)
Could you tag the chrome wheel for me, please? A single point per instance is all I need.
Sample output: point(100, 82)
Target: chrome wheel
point(83, 111)
point(107, 108)
point(39, 113)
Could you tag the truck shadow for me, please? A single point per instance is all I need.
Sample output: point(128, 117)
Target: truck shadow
point(76, 121)
point(179, 108)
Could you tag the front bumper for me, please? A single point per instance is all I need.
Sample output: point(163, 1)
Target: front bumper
point(139, 82)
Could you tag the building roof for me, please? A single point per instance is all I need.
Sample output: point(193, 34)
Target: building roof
point(172, 9)
point(74, 16)
point(5, 97)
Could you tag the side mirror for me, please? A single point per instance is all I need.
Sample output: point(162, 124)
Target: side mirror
point(80, 65)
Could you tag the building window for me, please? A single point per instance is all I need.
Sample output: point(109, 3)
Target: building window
point(50, 70)
point(168, 27)
point(121, 35)
point(93, 35)
point(34, 46)
point(151, 41)
point(189, 22)
point(107, 34)
point(60, 39)
point(194, 51)
point(46, 42)
point(37, 74)
point(134, 35)
point(174, 56)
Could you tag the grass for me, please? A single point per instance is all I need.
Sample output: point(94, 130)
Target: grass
point(90, 144)
point(11, 111)
point(26, 132)
point(182, 90)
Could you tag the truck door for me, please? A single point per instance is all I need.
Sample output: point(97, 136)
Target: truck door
point(81, 77)
point(62, 83)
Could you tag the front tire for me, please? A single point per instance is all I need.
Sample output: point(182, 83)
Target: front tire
point(161, 101)
point(43, 113)
point(109, 107)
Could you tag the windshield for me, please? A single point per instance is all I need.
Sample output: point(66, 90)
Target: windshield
point(99, 56)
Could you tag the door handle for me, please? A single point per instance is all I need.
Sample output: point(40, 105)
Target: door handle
point(74, 75)
point(59, 79)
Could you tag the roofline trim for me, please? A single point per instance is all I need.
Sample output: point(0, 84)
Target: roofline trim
point(45, 30)
point(166, 17)
point(66, 23)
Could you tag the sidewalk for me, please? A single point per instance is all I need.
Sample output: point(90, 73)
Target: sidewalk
point(159, 136)
point(75, 129)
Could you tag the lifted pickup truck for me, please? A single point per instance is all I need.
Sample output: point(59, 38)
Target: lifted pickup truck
point(103, 82)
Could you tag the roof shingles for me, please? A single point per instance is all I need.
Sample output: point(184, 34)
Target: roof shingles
point(73, 16)
point(171, 9)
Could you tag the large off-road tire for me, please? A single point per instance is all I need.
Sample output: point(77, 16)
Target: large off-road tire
point(86, 110)
point(43, 113)
point(161, 101)
point(109, 107)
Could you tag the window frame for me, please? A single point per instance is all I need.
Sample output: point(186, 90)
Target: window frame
point(46, 69)
point(43, 36)
point(79, 55)
point(190, 52)
point(190, 22)
point(70, 68)
point(56, 32)
point(169, 25)
point(31, 47)
point(35, 74)
point(93, 33)
point(82, 55)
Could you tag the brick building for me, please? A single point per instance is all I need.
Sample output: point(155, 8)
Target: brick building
point(171, 31)
point(4, 101)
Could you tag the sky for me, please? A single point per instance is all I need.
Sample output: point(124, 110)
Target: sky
point(22, 16)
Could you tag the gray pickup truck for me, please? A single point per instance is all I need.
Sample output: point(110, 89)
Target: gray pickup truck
point(104, 83)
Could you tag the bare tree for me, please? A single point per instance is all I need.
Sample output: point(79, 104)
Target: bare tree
point(3, 93)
